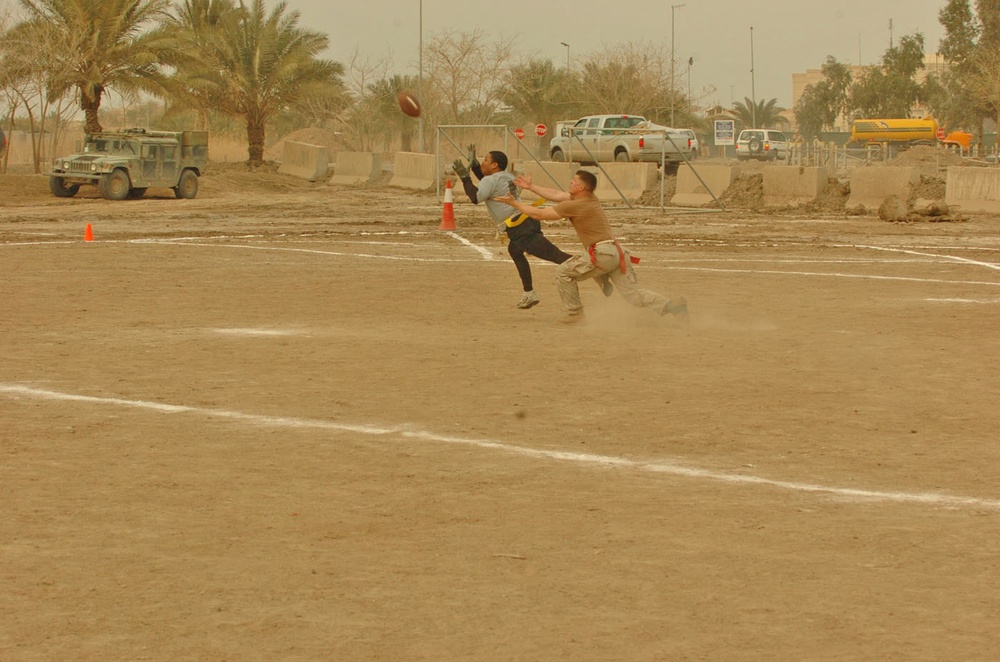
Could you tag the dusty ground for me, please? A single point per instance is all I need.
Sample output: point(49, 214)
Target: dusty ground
point(288, 421)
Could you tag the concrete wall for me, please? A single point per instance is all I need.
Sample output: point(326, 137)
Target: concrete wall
point(973, 189)
point(414, 171)
point(356, 168)
point(871, 186)
point(792, 185)
point(306, 161)
point(690, 191)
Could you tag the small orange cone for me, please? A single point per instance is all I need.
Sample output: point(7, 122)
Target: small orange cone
point(448, 213)
point(88, 233)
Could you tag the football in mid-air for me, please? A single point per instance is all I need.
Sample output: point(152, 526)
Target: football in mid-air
point(408, 103)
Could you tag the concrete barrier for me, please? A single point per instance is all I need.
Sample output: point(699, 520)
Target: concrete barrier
point(303, 160)
point(973, 189)
point(632, 179)
point(414, 171)
point(690, 192)
point(792, 185)
point(556, 174)
point(356, 168)
point(871, 186)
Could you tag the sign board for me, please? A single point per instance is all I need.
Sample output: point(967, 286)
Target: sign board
point(540, 130)
point(940, 134)
point(725, 132)
point(519, 133)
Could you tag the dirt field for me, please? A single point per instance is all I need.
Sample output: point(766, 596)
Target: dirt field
point(286, 421)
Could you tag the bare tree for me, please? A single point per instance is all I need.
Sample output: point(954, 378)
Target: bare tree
point(466, 72)
point(29, 75)
point(632, 78)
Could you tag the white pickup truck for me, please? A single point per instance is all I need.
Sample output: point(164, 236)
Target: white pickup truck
point(618, 138)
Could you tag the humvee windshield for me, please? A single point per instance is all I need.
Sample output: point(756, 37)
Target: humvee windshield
point(110, 146)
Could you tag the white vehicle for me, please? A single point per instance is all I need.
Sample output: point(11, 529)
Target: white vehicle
point(762, 144)
point(692, 142)
point(622, 138)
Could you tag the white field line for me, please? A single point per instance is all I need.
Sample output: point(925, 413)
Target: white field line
point(823, 274)
point(607, 461)
point(311, 251)
point(978, 263)
point(487, 255)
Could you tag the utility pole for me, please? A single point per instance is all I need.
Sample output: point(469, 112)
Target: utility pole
point(753, 87)
point(567, 54)
point(420, 80)
point(672, 87)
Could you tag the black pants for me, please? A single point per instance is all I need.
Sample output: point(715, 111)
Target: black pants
point(533, 243)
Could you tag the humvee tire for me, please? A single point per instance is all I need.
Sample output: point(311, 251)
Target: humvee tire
point(60, 189)
point(187, 186)
point(115, 185)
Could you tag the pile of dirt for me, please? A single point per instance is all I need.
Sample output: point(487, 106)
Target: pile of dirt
point(310, 136)
point(228, 177)
point(929, 188)
point(651, 196)
point(747, 192)
point(930, 161)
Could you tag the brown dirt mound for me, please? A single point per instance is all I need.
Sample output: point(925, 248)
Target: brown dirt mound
point(311, 136)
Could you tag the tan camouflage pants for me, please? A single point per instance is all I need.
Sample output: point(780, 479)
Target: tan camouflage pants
point(580, 267)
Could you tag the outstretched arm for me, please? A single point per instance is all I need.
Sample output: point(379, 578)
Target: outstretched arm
point(541, 213)
point(553, 194)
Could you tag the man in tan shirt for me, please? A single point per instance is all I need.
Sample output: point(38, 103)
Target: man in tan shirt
point(604, 254)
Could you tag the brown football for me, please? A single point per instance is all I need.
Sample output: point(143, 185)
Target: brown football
point(408, 103)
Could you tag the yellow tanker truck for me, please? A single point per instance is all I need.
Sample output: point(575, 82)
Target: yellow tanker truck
point(906, 132)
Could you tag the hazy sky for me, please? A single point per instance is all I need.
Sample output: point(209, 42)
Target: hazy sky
point(788, 35)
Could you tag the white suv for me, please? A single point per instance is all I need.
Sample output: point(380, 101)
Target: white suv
point(762, 144)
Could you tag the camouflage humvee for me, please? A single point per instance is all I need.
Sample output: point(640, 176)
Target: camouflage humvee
point(123, 164)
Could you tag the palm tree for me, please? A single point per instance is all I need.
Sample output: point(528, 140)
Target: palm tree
point(101, 45)
point(195, 24)
point(382, 97)
point(762, 115)
point(256, 64)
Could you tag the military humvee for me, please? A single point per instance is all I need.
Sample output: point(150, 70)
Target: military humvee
point(123, 164)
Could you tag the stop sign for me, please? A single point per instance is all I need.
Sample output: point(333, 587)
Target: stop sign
point(540, 130)
point(940, 134)
point(519, 132)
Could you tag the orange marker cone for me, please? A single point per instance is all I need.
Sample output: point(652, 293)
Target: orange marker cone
point(448, 213)
point(88, 233)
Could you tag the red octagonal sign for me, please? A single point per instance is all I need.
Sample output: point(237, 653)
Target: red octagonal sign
point(540, 130)
point(940, 134)
point(519, 132)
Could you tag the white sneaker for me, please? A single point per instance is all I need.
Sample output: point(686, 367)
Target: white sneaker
point(528, 300)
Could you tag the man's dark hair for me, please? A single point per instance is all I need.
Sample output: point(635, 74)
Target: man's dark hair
point(588, 178)
point(499, 158)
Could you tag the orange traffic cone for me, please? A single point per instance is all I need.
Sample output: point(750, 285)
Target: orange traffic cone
point(88, 233)
point(448, 213)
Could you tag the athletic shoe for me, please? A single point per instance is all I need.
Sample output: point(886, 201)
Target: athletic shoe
point(573, 318)
point(678, 307)
point(528, 300)
point(607, 288)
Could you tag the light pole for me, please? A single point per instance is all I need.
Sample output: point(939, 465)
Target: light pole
point(672, 88)
point(567, 54)
point(753, 88)
point(690, 64)
point(420, 80)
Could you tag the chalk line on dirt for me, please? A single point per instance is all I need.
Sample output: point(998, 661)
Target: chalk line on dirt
point(954, 258)
point(487, 255)
point(408, 432)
